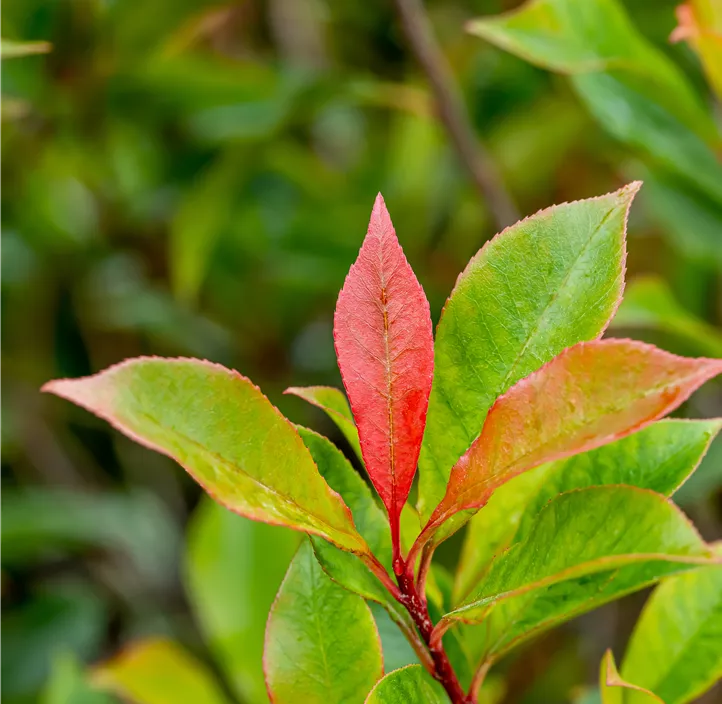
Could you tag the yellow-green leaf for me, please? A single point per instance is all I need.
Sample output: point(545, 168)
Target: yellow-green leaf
point(660, 457)
point(587, 547)
point(334, 403)
point(630, 87)
point(676, 648)
point(225, 433)
point(322, 646)
point(344, 568)
point(408, 685)
point(233, 569)
point(615, 690)
point(159, 671)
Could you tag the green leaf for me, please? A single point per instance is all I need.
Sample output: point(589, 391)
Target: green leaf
point(322, 645)
point(347, 569)
point(632, 88)
point(334, 403)
point(68, 684)
point(676, 648)
point(615, 690)
point(233, 569)
point(225, 433)
point(650, 303)
point(589, 395)
point(201, 216)
point(135, 526)
point(587, 546)
point(68, 617)
point(672, 204)
point(538, 287)
point(705, 481)
point(159, 671)
point(409, 684)
point(395, 646)
point(659, 457)
point(10, 49)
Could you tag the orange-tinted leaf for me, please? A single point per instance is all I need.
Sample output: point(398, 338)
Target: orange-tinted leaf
point(384, 344)
point(228, 436)
point(591, 394)
point(700, 24)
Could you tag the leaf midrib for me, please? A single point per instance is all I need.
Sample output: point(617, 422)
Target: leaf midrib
point(232, 466)
point(502, 386)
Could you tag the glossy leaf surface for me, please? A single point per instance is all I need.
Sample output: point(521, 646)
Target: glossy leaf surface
point(659, 457)
point(587, 547)
point(589, 395)
point(629, 86)
point(676, 648)
point(334, 403)
point(233, 569)
point(225, 433)
point(614, 690)
point(409, 684)
point(538, 287)
point(384, 345)
point(159, 672)
point(322, 646)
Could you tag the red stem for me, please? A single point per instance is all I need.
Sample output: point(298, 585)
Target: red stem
point(415, 604)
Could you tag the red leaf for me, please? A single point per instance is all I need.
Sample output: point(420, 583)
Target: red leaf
point(591, 394)
point(385, 350)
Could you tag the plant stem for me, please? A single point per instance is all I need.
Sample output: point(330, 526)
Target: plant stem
point(452, 112)
point(415, 604)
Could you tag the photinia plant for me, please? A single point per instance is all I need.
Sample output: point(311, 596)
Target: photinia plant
point(517, 380)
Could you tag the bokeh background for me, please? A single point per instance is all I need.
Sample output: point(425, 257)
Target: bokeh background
point(193, 178)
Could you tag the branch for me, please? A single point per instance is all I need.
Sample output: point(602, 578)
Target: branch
point(452, 112)
point(443, 671)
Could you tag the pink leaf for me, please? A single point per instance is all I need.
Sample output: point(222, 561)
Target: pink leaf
point(591, 394)
point(385, 350)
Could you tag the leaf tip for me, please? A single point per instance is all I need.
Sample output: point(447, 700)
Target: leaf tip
point(630, 190)
point(74, 390)
point(380, 223)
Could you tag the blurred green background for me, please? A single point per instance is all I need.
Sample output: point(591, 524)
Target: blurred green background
point(191, 178)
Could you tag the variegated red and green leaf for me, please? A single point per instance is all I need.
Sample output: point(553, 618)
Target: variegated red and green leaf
point(225, 433)
point(384, 344)
point(546, 283)
point(589, 395)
